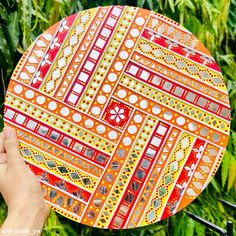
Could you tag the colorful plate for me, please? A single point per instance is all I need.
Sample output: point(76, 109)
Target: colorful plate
point(123, 115)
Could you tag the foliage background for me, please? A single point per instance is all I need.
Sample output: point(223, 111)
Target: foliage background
point(211, 21)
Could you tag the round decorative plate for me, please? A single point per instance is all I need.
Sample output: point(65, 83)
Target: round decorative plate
point(122, 113)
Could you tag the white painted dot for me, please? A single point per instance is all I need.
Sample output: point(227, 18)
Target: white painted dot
point(52, 106)
point(112, 77)
point(138, 119)
point(89, 123)
point(143, 104)
point(101, 129)
point(18, 89)
point(192, 126)
point(133, 99)
point(118, 66)
point(106, 88)
point(124, 55)
point(65, 111)
point(76, 117)
point(129, 43)
point(127, 141)
point(150, 122)
point(96, 110)
point(156, 109)
point(29, 94)
point(84, 106)
point(134, 33)
point(167, 115)
point(140, 21)
point(132, 129)
point(66, 126)
point(101, 99)
point(180, 120)
point(40, 100)
point(121, 93)
point(112, 134)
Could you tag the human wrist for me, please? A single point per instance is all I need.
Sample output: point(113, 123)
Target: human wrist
point(40, 210)
point(25, 220)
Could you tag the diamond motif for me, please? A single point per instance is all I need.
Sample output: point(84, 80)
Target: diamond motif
point(167, 179)
point(169, 58)
point(61, 63)
point(56, 74)
point(38, 158)
point(50, 164)
point(74, 175)
point(62, 169)
point(86, 181)
point(193, 69)
point(73, 40)
point(67, 51)
point(162, 191)
point(156, 203)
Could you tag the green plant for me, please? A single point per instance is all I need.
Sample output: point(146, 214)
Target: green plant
point(212, 21)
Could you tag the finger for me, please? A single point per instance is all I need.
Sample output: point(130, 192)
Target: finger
point(3, 167)
point(11, 145)
point(2, 149)
point(44, 192)
point(3, 158)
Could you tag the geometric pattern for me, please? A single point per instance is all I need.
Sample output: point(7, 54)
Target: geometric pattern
point(121, 113)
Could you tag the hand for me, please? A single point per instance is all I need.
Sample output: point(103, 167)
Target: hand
point(19, 186)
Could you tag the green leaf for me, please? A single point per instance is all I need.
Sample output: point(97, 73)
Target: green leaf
point(25, 14)
point(232, 19)
point(178, 226)
point(172, 5)
point(13, 30)
point(232, 174)
point(53, 15)
point(4, 49)
point(1, 123)
point(140, 3)
point(189, 227)
point(220, 207)
point(40, 16)
point(150, 5)
point(199, 229)
point(3, 12)
point(215, 185)
point(225, 167)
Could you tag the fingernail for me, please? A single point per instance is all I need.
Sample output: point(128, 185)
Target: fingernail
point(8, 132)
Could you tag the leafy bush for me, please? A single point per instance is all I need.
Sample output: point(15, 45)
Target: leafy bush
point(211, 21)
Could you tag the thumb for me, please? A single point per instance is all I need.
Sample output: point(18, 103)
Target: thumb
point(2, 150)
point(11, 145)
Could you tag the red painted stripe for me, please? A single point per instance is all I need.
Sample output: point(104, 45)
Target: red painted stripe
point(179, 49)
point(48, 178)
point(158, 81)
point(89, 61)
point(184, 176)
point(85, 151)
point(52, 52)
point(134, 179)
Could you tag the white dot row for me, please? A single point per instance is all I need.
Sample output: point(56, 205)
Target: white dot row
point(167, 115)
point(76, 117)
